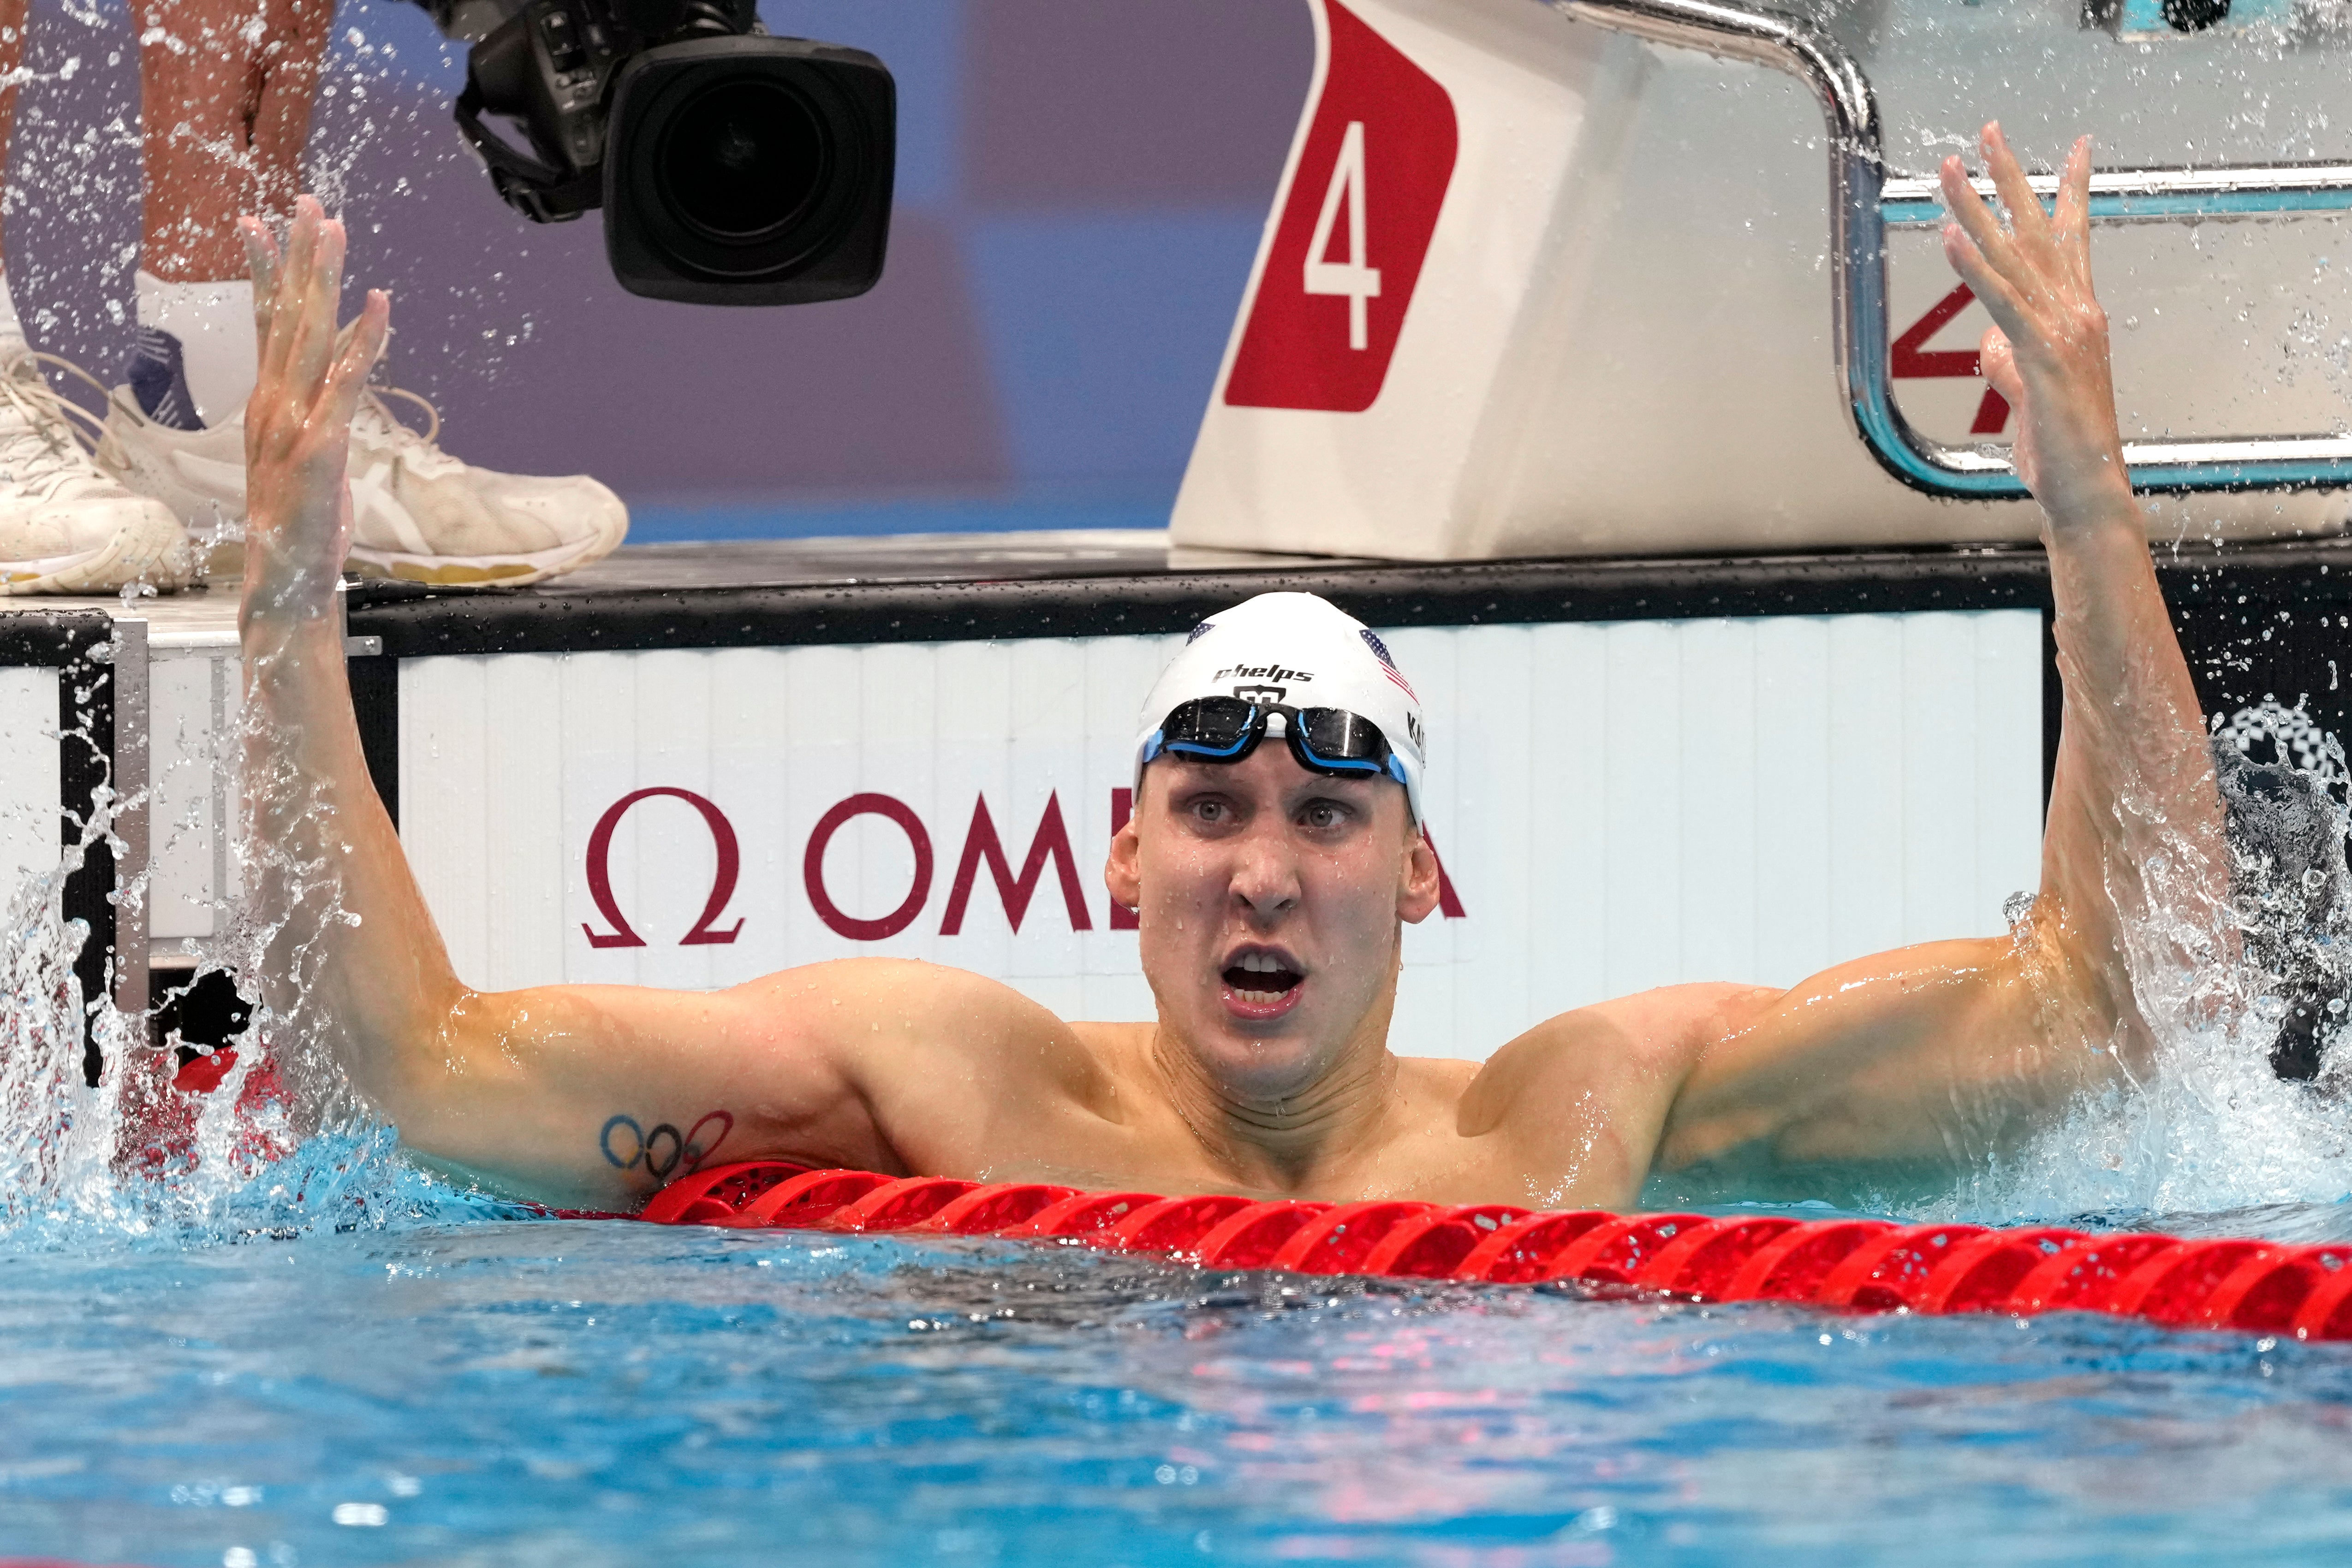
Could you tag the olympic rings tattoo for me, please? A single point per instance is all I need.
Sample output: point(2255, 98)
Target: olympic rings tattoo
point(718, 1123)
point(636, 1141)
point(664, 1150)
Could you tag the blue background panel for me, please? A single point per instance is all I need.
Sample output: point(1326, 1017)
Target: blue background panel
point(1103, 332)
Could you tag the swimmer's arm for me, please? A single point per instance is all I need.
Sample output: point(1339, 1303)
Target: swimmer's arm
point(1950, 1048)
point(1919, 1056)
point(516, 1088)
point(594, 1096)
point(1939, 1054)
point(350, 960)
point(889, 1066)
point(2133, 847)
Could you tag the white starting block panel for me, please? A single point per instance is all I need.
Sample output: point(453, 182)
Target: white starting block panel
point(195, 701)
point(1530, 287)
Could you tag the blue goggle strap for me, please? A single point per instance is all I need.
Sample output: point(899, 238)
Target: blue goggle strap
point(1157, 745)
point(1160, 743)
point(1338, 765)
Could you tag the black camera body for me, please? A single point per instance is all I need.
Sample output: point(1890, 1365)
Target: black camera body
point(733, 168)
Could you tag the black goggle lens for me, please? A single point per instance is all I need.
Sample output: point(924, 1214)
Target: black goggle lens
point(1213, 726)
point(1333, 735)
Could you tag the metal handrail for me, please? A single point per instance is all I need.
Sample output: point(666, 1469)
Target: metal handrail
point(1864, 202)
point(2166, 195)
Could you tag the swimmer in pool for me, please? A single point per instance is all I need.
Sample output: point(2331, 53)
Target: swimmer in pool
point(1272, 860)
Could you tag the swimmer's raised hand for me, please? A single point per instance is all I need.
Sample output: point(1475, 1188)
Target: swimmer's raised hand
point(297, 424)
point(2047, 350)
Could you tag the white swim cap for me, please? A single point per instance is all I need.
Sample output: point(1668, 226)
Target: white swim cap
point(1300, 650)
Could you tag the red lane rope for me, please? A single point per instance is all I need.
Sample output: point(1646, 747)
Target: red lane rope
point(1859, 1265)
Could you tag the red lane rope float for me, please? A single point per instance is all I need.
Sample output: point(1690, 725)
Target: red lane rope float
point(1433, 1246)
point(2085, 1278)
point(1080, 1214)
point(1859, 1265)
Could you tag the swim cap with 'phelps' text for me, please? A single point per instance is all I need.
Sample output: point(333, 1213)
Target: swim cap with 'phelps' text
point(1299, 651)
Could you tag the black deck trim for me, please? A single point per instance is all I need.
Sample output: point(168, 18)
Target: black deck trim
point(375, 705)
point(51, 637)
point(415, 624)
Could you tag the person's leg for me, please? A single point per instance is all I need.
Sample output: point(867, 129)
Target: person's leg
point(225, 87)
point(67, 525)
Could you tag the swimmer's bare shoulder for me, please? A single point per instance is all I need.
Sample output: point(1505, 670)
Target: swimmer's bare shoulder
point(1573, 1113)
point(945, 1072)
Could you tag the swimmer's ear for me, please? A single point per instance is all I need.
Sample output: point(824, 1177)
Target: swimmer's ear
point(1417, 887)
point(1121, 872)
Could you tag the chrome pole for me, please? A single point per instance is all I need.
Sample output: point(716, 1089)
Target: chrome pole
point(1864, 202)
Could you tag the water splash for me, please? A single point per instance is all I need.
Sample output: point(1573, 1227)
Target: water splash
point(264, 1151)
point(52, 1129)
point(134, 1158)
point(2247, 1103)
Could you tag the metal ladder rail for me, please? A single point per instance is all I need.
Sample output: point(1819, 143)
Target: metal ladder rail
point(1864, 202)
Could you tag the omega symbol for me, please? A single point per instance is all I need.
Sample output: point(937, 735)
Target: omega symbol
point(722, 881)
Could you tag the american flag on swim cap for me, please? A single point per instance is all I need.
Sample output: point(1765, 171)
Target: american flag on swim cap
point(1198, 632)
point(1388, 665)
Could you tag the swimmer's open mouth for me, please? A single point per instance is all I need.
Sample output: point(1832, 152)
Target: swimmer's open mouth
point(1258, 979)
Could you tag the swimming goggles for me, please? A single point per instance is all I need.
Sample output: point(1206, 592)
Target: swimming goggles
point(1323, 740)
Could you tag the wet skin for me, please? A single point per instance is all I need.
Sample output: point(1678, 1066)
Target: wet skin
point(1270, 904)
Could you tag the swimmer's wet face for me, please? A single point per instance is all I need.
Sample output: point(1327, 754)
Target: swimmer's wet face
point(1270, 880)
point(1269, 902)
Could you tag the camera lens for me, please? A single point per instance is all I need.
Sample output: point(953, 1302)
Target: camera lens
point(742, 159)
point(747, 170)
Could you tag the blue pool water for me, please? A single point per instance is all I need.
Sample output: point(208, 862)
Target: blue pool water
point(457, 1387)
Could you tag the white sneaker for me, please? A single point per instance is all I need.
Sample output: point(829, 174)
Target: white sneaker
point(417, 512)
point(66, 525)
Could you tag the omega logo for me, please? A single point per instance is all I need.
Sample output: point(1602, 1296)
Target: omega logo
point(1049, 849)
point(722, 881)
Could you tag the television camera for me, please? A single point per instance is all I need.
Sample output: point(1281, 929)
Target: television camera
point(733, 167)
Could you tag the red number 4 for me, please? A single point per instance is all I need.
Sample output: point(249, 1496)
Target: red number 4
point(1911, 361)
